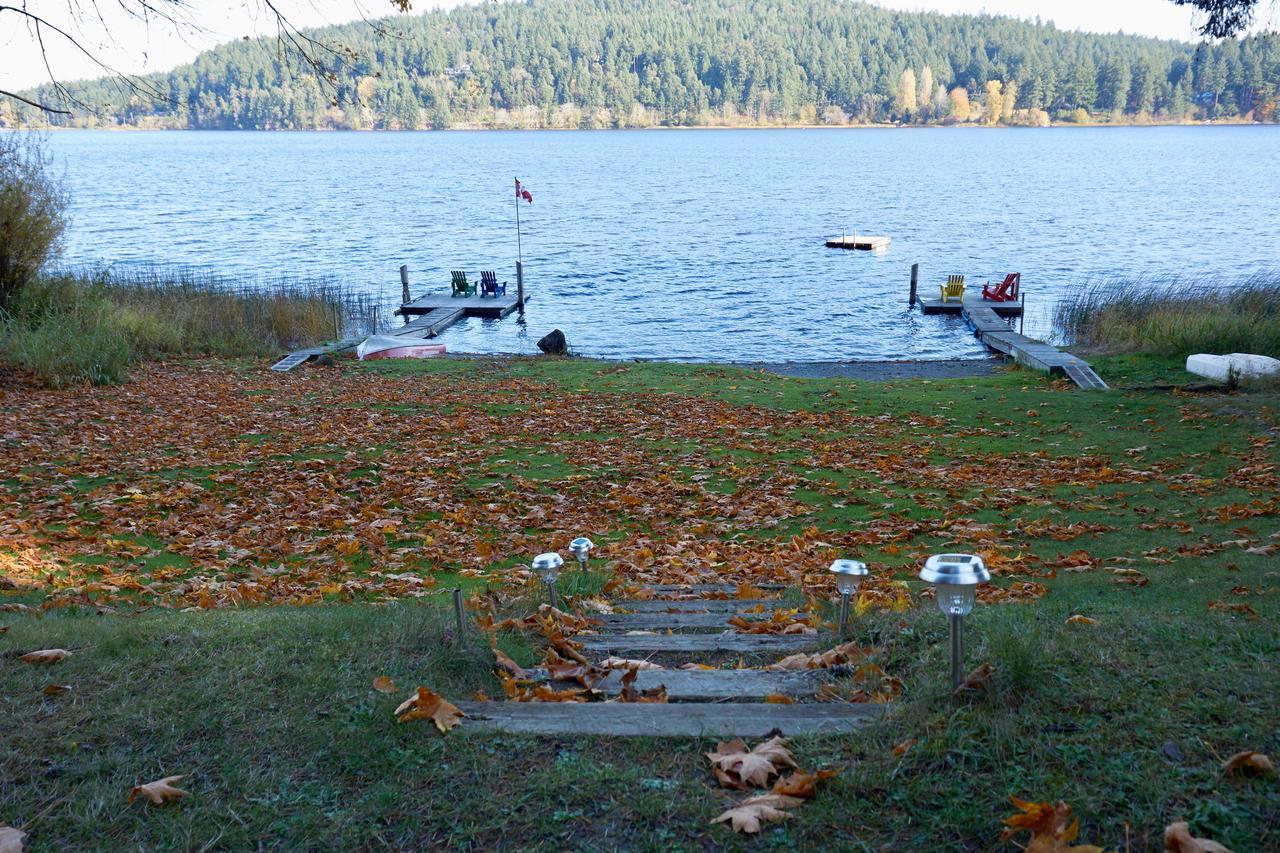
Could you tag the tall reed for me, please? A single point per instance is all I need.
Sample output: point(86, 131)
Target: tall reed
point(1176, 318)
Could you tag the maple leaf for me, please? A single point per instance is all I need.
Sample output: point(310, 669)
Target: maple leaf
point(1177, 839)
point(384, 684)
point(160, 791)
point(747, 815)
point(46, 656)
point(976, 681)
point(1052, 828)
point(801, 784)
point(627, 663)
point(739, 767)
point(1249, 763)
point(426, 705)
point(11, 839)
point(902, 748)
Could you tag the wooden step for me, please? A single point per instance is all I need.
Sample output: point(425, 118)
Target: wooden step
point(684, 719)
point(642, 644)
point(618, 622)
point(697, 588)
point(694, 605)
point(709, 685)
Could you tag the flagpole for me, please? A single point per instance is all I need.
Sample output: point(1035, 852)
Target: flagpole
point(519, 256)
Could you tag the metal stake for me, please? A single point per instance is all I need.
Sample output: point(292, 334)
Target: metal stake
point(551, 593)
point(844, 614)
point(957, 651)
point(458, 612)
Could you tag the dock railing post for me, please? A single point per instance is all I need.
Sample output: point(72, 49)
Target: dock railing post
point(1022, 315)
point(915, 280)
point(520, 286)
point(404, 284)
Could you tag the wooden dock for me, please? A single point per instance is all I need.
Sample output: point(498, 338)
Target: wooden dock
point(859, 241)
point(425, 317)
point(989, 322)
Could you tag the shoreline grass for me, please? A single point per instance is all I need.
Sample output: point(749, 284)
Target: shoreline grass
point(269, 708)
point(89, 327)
point(1175, 318)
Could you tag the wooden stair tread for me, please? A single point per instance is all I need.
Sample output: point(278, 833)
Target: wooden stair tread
point(693, 685)
point(683, 719)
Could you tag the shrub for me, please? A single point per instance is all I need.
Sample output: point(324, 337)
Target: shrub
point(32, 213)
point(82, 341)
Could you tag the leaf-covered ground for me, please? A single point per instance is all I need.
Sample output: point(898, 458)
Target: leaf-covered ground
point(177, 503)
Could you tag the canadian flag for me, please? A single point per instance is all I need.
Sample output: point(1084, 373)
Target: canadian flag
point(522, 193)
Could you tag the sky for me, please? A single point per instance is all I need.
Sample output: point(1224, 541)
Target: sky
point(135, 46)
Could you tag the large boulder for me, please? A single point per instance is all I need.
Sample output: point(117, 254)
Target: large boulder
point(553, 343)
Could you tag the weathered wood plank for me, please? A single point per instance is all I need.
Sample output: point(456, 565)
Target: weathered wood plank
point(698, 588)
point(682, 719)
point(431, 324)
point(474, 306)
point(630, 645)
point(695, 605)
point(703, 685)
point(672, 621)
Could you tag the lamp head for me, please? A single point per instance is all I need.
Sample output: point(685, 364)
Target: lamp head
point(548, 565)
point(849, 573)
point(581, 548)
point(956, 578)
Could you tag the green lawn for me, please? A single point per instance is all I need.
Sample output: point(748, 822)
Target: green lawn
point(673, 468)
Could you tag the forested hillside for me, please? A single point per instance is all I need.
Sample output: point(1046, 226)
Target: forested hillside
point(637, 63)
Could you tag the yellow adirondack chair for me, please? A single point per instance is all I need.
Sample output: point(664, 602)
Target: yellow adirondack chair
point(953, 287)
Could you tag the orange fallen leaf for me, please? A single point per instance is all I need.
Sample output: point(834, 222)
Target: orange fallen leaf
point(55, 689)
point(902, 748)
point(779, 699)
point(46, 656)
point(384, 684)
point(1249, 763)
point(423, 704)
point(739, 767)
point(1081, 620)
point(11, 839)
point(508, 664)
point(799, 783)
point(1177, 839)
point(1052, 828)
point(160, 791)
point(976, 681)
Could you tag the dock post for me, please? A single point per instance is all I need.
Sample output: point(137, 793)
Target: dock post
point(520, 286)
point(1022, 315)
point(404, 284)
point(915, 279)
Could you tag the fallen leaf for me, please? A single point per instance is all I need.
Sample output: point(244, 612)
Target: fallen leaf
point(1081, 620)
point(426, 705)
point(741, 767)
point(1249, 763)
point(55, 689)
point(1052, 828)
point(1177, 839)
point(508, 664)
point(11, 839)
point(626, 663)
point(747, 816)
point(798, 783)
point(902, 748)
point(160, 791)
point(976, 681)
point(384, 684)
point(779, 699)
point(46, 656)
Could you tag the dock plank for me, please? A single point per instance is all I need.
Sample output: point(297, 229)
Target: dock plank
point(627, 645)
point(430, 324)
point(474, 306)
point(682, 719)
point(710, 685)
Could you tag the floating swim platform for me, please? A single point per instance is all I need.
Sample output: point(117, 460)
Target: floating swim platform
point(859, 241)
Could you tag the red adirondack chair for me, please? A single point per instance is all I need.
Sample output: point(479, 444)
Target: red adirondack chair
point(1005, 291)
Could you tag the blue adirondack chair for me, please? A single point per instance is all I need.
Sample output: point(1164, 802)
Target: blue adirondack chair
point(489, 285)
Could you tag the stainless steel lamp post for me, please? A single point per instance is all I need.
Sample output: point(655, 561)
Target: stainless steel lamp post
point(849, 573)
point(955, 578)
point(581, 548)
point(548, 565)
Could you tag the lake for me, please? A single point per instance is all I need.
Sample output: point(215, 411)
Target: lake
point(688, 244)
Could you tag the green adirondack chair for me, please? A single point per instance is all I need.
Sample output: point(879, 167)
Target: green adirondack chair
point(462, 287)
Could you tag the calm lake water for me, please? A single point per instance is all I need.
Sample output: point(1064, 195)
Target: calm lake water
point(689, 244)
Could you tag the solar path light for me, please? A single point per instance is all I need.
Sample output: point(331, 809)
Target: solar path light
point(581, 548)
point(548, 565)
point(849, 573)
point(955, 578)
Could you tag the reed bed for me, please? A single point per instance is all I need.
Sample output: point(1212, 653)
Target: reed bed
point(88, 327)
point(1174, 318)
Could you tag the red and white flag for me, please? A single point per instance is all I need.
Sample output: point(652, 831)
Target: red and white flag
point(522, 193)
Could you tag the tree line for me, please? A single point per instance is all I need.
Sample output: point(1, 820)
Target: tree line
point(640, 63)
